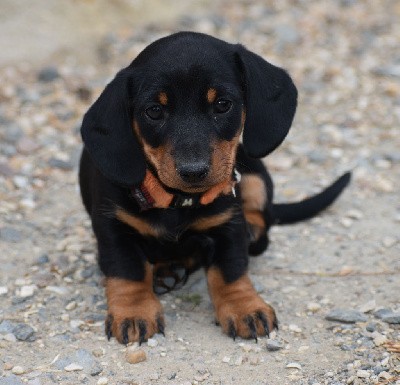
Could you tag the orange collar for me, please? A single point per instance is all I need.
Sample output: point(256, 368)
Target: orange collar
point(151, 194)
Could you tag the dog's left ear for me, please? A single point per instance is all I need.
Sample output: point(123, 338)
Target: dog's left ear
point(271, 100)
point(108, 133)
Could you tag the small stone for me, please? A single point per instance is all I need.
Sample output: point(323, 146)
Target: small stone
point(391, 318)
point(346, 316)
point(10, 234)
point(152, 342)
point(380, 313)
point(273, 345)
point(385, 375)
point(355, 214)
point(48, 74)
point(378, 338)
point(73, 367)
point(24, 332)
point(8, 366)
point(7, 326)
point(154, 376)
point(294, 328)
point(346, 222)
point(98, 352)
point(293, 365)
point(134, 356)
point(18, 370)
point(44, 258)
point(10, 337)
point(27, 291)
point(363, 373)
point(368, 307)
point(3, 290)
point(71, 305)
point(27, 145)
point(371, 327)
point(61, 164)
point(246, 348)
point(313, 307)
point(102, 381)
point(239, 360)
point(20, 182)
point(58, 290)
point(389, 242)
point(226, 359)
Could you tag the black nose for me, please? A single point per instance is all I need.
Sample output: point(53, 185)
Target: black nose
point(193, 173)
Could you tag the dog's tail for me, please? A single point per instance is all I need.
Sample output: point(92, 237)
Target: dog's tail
point(286, 213)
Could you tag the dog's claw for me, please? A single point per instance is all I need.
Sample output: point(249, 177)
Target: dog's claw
point(264, 321)
point(252, 326)
point(124, 331)
point(109, 322)
point(276, 324)
point(232, 330)
point(160, 326)
point(142, 331)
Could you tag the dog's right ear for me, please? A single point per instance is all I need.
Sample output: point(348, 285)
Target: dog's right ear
point(108, 133)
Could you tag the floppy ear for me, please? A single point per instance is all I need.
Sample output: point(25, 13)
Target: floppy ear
point(271, 100)
point(108, 133)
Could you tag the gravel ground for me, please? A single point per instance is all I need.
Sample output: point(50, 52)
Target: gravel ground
point(334, 280)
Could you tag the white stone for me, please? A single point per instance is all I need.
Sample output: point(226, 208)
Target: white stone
point(293, 365)
point(102, 381)
point(73, 367)
point(152, 342)
point(27, 291)
point(363, 373)
point(226, 360)
point(3, 290)
point(18, 370)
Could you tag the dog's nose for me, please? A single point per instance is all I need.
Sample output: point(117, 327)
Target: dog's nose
point(194, 173)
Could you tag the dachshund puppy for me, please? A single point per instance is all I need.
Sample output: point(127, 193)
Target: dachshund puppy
point(170, 188)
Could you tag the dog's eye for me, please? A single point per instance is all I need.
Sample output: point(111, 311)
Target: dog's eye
point(154, 112)
point(222, 105)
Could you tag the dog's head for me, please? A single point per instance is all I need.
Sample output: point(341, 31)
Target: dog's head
point(179, 109)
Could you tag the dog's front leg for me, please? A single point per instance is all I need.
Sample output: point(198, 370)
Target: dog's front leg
point(134, 311)
point(238, 308)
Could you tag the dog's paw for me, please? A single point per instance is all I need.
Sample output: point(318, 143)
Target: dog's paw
point(238, 308)
point(246, 317)
point(134, 312)
point(138, 322)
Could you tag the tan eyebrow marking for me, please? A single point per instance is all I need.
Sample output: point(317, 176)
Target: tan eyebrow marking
point(163, 98)
point(211, 95)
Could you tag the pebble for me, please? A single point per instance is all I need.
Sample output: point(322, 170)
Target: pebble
point(391, 318)
point(294, 328)
point(313, 307)
point(226, 359)
point(151, 342)
point(134, 356)
point(27, 291)
point(368, 306)
point(74, 367)
point(378, 338)
point(9, 234)
point(71, 305)
point(48, 74)
point(3, 290)
point(389, 242)
point(18, 370)
point(363, 373)
point(273, 345)
point(24, 332)
point(294, 365)
point(61, 290)
point(346, 316)
point(102, 381)
point(27, 145)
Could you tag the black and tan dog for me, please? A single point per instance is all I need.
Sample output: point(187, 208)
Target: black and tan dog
point(160, 178)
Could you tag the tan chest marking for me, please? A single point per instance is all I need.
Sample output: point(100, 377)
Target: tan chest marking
point(140, 225)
